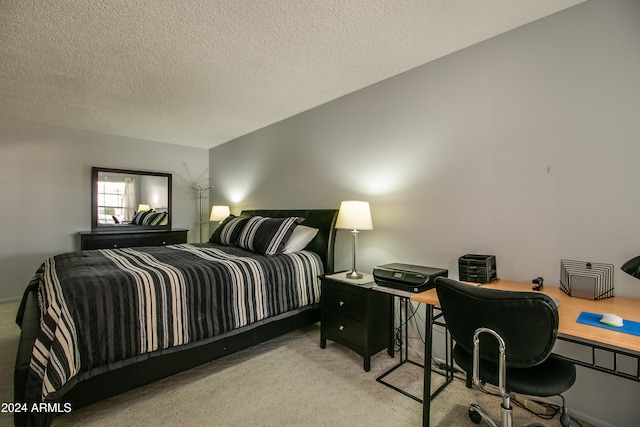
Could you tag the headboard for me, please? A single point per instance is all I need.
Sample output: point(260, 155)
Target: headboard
point(322, 219)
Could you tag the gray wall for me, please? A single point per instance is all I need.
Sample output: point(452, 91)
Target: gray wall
point(525, 146)
point(45, 180)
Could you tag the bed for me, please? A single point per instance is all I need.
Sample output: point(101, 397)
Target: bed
point(179, 297)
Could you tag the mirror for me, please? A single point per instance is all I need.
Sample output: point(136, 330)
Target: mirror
point(133, 199)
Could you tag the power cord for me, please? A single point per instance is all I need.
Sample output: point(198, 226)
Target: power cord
point(418, 320)
point(398, 338)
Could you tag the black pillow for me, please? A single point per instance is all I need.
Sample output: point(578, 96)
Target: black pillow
point(228, 232)
point(267, 235)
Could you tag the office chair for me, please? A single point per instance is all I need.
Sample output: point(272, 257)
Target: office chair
point(505, 338)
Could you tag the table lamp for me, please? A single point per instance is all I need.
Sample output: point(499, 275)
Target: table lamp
point(355, 216)
point(632, 267)
point(219, 213)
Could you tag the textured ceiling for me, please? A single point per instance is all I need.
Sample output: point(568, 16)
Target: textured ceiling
point(203, 72)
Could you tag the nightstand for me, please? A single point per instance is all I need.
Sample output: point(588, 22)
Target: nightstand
point(356, 316)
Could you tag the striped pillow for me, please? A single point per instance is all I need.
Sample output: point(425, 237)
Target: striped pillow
point(267, 235)
point(156, 218)
point(150, 217)
point(139, 217)
point(228, 232)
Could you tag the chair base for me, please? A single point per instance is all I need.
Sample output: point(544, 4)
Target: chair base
point(477, 414)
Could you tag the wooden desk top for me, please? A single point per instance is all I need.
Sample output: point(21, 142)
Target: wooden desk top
point(569, 310)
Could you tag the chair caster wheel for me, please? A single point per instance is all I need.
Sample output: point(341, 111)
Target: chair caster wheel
point(474, 416)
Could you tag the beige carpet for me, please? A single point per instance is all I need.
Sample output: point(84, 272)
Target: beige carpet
point(9, 335)
point(288, 381)
point(458, 416)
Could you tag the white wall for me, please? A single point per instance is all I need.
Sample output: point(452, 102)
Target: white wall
point(45, 184)
point(525, 146)
point(153, 191)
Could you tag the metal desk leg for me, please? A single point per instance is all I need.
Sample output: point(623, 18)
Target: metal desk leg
point(404, 348)
point(428, 338)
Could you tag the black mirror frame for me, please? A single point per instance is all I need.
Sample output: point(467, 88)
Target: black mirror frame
point(94, 200)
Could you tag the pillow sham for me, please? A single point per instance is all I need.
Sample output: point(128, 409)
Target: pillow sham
point(228, 231)
point(139, 217)
point(150, 217)
point(155, 218)
point(267, 236)
point(300, 238)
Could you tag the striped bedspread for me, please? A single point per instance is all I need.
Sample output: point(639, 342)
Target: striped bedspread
point(103, 306)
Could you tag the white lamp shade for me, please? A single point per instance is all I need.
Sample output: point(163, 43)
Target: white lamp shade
point(354, 215)
point(218, 213)
point(143, 208)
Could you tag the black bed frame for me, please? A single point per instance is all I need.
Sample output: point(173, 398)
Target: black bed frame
point(163, 364)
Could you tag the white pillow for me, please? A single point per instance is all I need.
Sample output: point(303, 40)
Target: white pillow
point(300, 238)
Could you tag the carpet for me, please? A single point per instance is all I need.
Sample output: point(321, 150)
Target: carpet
point(459, 417)
point(9, 336)
point(287, 381)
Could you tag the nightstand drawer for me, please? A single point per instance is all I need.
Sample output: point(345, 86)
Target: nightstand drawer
point(345, 330)
point(356, 316)
point(345, 304)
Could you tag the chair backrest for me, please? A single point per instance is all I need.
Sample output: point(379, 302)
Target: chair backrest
point(526, 321)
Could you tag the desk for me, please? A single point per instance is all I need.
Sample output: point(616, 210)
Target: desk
point(404, 297)
point(596, 339)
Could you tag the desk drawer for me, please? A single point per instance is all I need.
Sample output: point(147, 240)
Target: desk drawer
point(607, 360)
point(344, 303)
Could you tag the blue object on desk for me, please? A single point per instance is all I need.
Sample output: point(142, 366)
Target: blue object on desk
point(593, 319)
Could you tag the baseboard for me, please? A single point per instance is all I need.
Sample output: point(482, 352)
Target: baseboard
point(5, 300)
point(415, 355)
point(589, 419)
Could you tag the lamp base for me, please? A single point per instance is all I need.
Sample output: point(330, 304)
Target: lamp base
point(354, 274)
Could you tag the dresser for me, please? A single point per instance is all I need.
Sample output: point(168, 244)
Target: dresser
point(356, 316)
point(126, 239)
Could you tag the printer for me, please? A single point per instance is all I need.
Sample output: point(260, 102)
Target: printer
point(407, 277)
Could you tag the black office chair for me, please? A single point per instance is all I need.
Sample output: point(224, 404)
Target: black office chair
point(505, 338)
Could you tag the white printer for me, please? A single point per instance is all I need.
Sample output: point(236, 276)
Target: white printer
point(407, 277)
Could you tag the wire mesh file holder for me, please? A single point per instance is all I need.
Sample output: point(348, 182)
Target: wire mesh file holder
point(588, 280)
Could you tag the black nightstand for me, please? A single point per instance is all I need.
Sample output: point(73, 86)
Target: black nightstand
point(356, 316)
